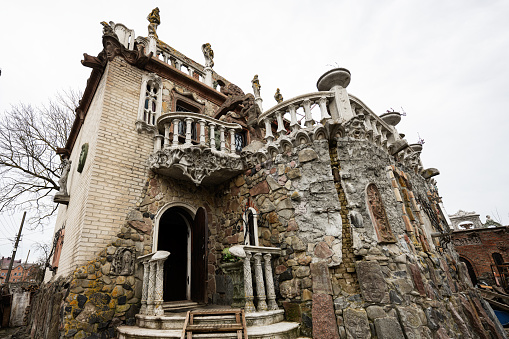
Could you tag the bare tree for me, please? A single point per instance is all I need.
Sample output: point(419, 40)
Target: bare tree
point(29, 165)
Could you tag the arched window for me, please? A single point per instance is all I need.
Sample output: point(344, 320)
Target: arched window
point(150, 101)
point(250, 227)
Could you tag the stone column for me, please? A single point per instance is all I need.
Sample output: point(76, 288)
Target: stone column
point(144, 291)
point(269, 282)
point(280, 125)
point(221, 138)
point(151, 288)
point(232, 140)
point(212, 139)
point(189, 122)
point(158, 310)
point(248, 284)
point(323, 108)
point(260, 288)
point(166, 135)
point(343, 110)
point(158, 139)
point(294, 123)
point(202, 132)
point(307, 111)
point(268, 130)
point(208, 76)
point(152, 45)
point(176, 123)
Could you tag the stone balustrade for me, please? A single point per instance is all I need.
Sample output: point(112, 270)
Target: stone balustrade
point(179, 64)
point(264, 279)
point(152, 292)
point(202, 159)
point(170, 123)
point(276, 113)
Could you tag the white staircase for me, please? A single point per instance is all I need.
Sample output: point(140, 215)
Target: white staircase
point(269, 324)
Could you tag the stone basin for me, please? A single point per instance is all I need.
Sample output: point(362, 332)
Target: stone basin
point(334, 77)
point(391, 118)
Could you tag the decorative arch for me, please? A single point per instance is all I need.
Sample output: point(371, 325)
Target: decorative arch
point(185, 206)
point(470, 268)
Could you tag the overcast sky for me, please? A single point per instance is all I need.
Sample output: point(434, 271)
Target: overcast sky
point(445, 62)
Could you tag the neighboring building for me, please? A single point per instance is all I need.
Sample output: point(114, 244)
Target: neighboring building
point(19, 272)
point(319, 198)
point(483, 248)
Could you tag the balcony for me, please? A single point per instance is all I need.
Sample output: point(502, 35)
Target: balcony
point(201, 149)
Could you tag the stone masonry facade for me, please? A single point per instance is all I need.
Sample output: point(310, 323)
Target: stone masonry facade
point(359, 223)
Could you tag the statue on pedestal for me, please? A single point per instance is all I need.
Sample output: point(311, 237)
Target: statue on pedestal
point(155, 20)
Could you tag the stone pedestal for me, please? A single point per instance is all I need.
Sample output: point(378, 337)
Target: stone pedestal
point(236, 272)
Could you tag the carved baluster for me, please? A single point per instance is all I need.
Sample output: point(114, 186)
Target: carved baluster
point(151, 288)
point(178, 64)
point(307, 111)
point(144, 292)
point(158, 310)
point(189, 70)
point(202, 132)
point(269, 282)
point(212, 127)
point(166, 135)
point(176, 123)
point(248, 284)
point(268, 130)
point(232, 140)
point(323, 108)
point(280, 125)
point(260, 288)
point(294, 123)
point(222, 139)
point(157, 142)
point(188, 130)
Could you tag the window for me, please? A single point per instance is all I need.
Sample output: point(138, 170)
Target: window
point(150, 101)
point(240, 141)
point(250, 227)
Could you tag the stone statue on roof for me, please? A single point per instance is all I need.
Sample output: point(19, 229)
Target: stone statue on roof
point(278, 96)
point(256, 86)
point(155, 20)
point(208, 53)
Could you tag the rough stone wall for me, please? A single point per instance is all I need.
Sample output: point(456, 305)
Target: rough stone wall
point(299, 211)
point(477, 247)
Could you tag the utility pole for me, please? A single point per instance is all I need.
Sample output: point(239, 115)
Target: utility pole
point(15, 248)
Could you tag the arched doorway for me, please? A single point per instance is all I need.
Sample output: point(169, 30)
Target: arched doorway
point(470, 270)
point(185, 237)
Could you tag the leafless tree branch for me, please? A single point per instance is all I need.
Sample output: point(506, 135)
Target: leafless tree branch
point(29, 165)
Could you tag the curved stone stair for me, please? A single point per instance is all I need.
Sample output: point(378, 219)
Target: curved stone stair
point(260, 325)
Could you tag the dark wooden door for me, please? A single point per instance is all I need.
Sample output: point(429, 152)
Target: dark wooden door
point(199, 253)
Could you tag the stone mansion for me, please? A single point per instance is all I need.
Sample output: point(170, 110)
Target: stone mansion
point(314, 216)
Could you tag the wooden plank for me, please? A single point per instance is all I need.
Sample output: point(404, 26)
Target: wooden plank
point(183, 336)
point(244, 323)
point(214, 328)
point(216, 311)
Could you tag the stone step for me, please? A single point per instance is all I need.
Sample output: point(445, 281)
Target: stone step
point(281, 330)
point(180, 306)
point(176, 321)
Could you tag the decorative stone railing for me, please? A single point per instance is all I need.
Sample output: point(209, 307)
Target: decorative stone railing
point(152, 292)
point(201, 160)
point(276, 113)
point(180, 63)
point(264, 279)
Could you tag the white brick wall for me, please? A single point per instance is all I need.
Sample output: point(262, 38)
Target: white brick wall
point(115, 171)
